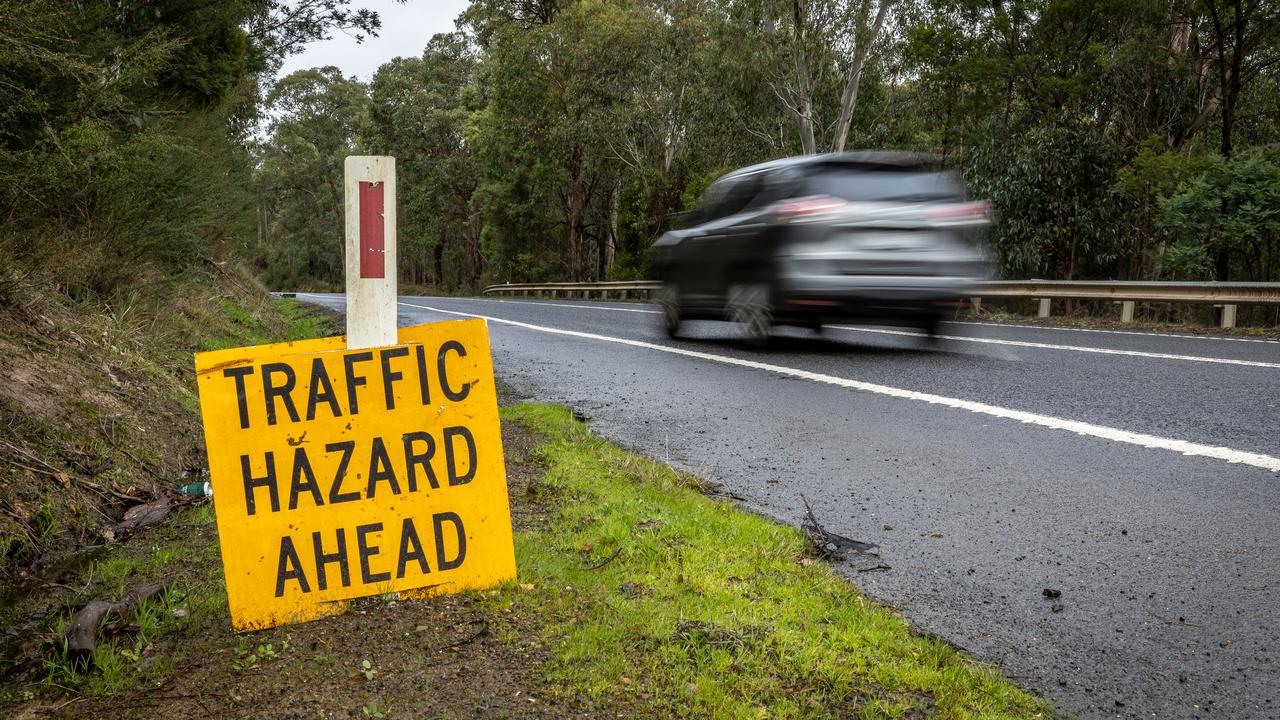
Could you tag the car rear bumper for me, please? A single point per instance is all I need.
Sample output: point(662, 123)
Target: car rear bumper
point(817, 300)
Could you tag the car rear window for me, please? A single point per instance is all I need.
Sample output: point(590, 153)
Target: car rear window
point(886, 184)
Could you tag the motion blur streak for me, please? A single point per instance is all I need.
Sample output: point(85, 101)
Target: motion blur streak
point(1077, 348)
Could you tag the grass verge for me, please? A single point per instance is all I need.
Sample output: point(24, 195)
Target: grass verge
point(688, 606)
point(637, 596)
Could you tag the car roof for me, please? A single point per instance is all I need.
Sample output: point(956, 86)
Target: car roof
point(861, 159)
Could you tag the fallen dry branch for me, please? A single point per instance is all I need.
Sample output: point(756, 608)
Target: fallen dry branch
point(825, 544)
point(82, 633)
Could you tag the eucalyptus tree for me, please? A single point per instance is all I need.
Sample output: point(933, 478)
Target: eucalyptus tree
point(419, 112)
point(817, 48)
point(318, 114)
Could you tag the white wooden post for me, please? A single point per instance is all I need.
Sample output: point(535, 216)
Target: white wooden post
point(1044, 308)
point(371, 251)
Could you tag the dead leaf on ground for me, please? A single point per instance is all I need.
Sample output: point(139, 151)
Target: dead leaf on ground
point(140, 516)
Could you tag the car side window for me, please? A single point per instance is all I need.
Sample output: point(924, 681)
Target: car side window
point(709, 204)
point(774, 186)
point(740, 195)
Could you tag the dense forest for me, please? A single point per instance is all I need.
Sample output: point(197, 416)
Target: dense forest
point(556, 139)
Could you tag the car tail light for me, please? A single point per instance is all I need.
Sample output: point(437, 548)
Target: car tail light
point(962, 212)
point(806, 207)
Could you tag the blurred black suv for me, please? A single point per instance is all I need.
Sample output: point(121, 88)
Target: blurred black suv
point(852, 237)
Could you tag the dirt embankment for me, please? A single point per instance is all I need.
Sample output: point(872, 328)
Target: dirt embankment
point(98, 415)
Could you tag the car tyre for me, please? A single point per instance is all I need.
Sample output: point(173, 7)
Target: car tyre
point(932, 327)
point(750, 306)
point(667, 298)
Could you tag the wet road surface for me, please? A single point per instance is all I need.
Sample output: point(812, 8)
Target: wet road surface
point(1138, 474)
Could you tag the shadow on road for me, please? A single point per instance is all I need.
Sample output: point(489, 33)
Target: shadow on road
point(788, 341)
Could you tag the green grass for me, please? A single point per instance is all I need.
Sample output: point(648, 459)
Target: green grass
point(241, 327)
point(687, 606)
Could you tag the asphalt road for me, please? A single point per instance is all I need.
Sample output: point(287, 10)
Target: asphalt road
point(1138, 474)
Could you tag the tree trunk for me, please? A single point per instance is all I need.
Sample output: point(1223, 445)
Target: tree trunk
point(611, 250)
point(475, 228)
point(577, 205)
point(849, 99)
point(804, 123)
point(802, 108)
point(437, 262)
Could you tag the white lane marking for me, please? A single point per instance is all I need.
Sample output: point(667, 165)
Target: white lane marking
point(1266, 462)
point(1076, 348)
point(1180, 336)
point(963, 338)
point(988, 341)
point(949, 322)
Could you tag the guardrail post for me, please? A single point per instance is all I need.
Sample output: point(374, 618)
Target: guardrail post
point(1126, 311)
point(1228, 316)
point(1044, 308)
point(977, 303)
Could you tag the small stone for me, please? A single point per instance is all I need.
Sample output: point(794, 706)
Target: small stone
point(1056, 607)
point(887, 526)
point(1052, 593)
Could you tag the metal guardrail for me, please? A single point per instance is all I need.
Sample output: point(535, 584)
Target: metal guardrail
point(1226, 294)
point(1125, 290)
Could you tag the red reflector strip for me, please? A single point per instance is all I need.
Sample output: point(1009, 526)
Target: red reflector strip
point(373, 256)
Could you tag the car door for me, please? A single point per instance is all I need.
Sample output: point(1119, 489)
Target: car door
point(698, 248)
point(736, 234)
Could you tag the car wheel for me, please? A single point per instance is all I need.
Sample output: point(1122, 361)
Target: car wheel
point(932, 326)
point(751, 308)
point(667, 298)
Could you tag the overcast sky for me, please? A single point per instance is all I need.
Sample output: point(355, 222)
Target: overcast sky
point(406, 28)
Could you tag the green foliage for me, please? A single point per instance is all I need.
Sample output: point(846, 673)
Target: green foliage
point(1230, 210)
point(300, 176)
point(419, 111)
point(124, 130)
point(1050, 187)
point(557, 140)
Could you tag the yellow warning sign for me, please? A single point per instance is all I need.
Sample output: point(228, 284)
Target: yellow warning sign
point(343, 473)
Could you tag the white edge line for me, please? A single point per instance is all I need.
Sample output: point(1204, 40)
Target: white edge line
point(1076, 348)
point(988, 341)
point(1137, 333)
point(1265, 462)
